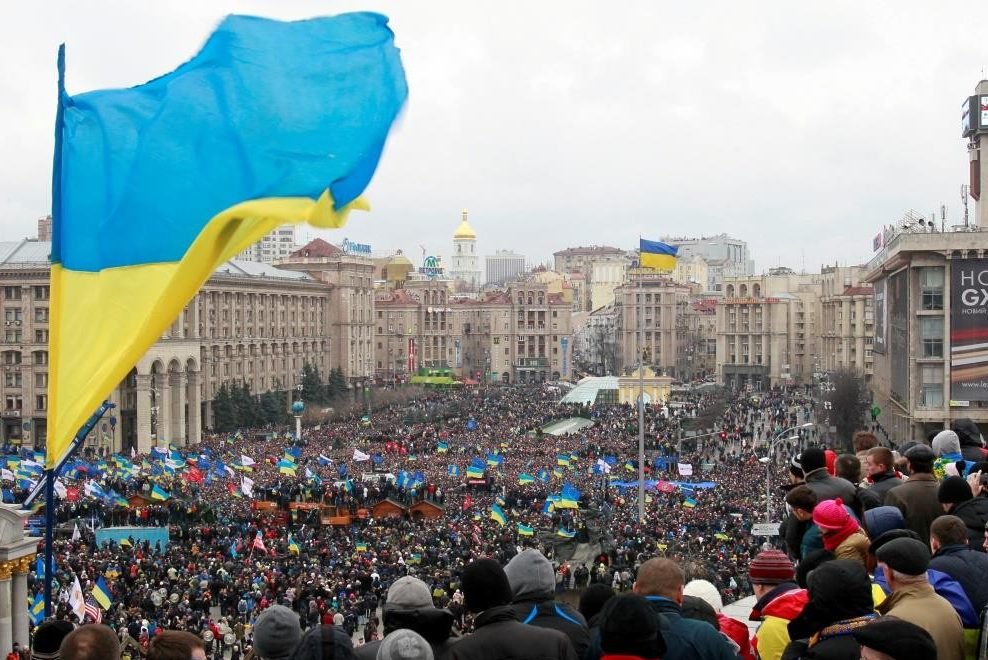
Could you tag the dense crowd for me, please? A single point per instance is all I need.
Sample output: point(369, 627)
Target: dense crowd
point(230, 560)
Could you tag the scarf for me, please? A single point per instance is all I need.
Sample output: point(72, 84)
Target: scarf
point(833, 538)
point(840, 628)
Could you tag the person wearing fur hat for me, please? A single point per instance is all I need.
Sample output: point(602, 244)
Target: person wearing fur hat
point(904, 562)
point(533, 586)
point(956, 498)
point(409, 605)
point(841, 533)
point(498, 634)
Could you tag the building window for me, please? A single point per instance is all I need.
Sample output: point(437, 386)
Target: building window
point(41, 402)
point(931, 336)
point(40, 357)
point(12, 379)
point(14, 403)
point(41, 315)
point(12, 314)
point(931, 388)
point(41, 380)
point(12, 336)
point(12, 292)
point(41, 292)
point(11, 357)
point(931, 288)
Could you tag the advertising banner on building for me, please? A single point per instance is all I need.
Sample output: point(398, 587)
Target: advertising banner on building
point(898, 300)
point(410, 367)
point(969, 330)
point(564, 347)
point(880, 310)
point(457, 355)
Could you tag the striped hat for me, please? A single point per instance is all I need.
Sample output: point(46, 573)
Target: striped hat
point(771, 567)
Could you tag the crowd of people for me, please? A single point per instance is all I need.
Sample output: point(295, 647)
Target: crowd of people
point(246, 574)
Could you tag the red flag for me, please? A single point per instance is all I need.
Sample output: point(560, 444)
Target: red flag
point(72, 493)
point(194, 475)
point(467, 502)
point(258, 543)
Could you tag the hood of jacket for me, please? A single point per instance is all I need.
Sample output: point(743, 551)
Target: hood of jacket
point(787, 605)
point(531, 576)
point(434, 624)
point(967, 432)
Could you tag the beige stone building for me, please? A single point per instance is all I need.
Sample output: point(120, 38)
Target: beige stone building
point(698, 358)
point(692, 270)
point(603, 268)
point(846, 321)
point(767, 330)
point(664, 303)
point(249, 323)
point(350, 280)
point(930, 330)
point(521, 334)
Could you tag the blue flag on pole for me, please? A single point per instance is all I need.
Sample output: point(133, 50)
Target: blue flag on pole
point(155, 186)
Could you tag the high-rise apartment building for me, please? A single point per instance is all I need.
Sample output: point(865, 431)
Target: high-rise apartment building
point(504, 266)
point(767, 330)
point(661, 304)
point(277, 245)
point(725, 257)
point(846, 321)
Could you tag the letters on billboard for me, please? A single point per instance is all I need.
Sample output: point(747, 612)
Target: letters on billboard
point(969, 330)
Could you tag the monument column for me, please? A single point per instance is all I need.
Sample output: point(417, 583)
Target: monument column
point(143, 414)
point(6, 625)
point(22, 567)
point(194, 398)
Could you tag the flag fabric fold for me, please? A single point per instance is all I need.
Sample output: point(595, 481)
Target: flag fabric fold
point(657, 255)
point(155, 186)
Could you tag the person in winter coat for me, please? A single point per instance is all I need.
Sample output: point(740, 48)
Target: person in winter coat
point(880, 473)
point(955, 496)
point(840, 602)
point(951, 554)
point(498, 634)
point(904, 563)
point(410, 606)
point(778, 601)
point(895, 639)
point(802, 501)
point(842, 534)
point(813, 460)
point(630, 630)
point(972, 440)
point(592, 602)
point(532, 583)
point(733, 629)
point(311, 645)
point(917, 497)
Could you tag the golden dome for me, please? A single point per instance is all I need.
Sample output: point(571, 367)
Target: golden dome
point(399, 259)
point(464, 231)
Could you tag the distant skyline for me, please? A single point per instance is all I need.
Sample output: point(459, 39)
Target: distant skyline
point(801, 129)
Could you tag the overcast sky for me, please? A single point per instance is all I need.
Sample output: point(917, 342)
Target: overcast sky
point(799, 127)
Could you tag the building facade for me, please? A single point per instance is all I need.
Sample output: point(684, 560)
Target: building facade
point(596, 341)
point(725, 257)
point(699, 355)
point(277, 245)
point(350, 280)
point(504, 266)
point(661, 305)
point(610, 263)
point(465, 262)
point(847, 321)
point(930, 329)
point(249, 323)
point(767, 330)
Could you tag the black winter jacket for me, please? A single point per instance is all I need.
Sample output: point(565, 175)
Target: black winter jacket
point(966, 566)
point(500, 636)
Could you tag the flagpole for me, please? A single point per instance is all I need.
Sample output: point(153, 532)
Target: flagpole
point(49, 537)
point(641, 393)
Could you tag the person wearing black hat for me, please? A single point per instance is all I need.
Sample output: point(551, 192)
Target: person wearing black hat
point(895, 639)
point(48, 639)
point(904, 562)
point(498, 633)
point(957, 499)
point(917, 498)
point(630, 629)
point(840, 601)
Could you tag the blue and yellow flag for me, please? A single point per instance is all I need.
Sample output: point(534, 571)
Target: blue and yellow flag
point(524, 479)
point(159, 493)
point(657, 255)
point(497, 515)
point(101, 593)
point(293, 545)
point(155, 186)
point(37, 610)
point(525, 530)
point(565, 533)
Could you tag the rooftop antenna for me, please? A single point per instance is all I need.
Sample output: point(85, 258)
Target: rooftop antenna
point(965, 189)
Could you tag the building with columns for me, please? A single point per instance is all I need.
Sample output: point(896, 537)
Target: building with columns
point(17, 560)
point(250, 322)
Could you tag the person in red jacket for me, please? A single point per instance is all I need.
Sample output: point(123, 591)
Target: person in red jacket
point(733, 629)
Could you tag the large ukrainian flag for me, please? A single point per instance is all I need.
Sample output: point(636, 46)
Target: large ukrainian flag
point(157, 185)
point(657, 255)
